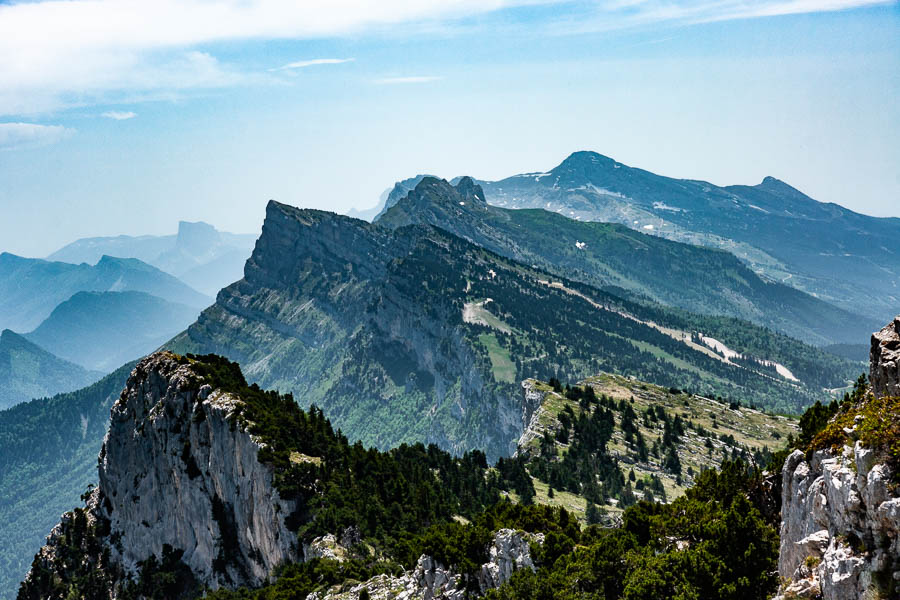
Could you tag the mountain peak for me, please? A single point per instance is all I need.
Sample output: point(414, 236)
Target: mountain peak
point(586, 157)
point(775, 185)
point(196, 236)
point(470, 191)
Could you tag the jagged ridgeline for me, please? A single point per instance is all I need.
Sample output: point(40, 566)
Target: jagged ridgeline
point(629, 263)
point(414, 334)
point(206, 483)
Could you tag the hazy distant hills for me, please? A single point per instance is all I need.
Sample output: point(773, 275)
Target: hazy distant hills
point(201, 256)
point(31, 288)
point(846, 258)
point(28, 371)
point(103, 330)
point(616, 257)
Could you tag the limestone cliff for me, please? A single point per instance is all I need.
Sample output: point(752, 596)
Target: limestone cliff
point(179, 479)
point(840, 532)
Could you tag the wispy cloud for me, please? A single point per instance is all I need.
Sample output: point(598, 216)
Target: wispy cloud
point(59, 53)
point(30, 135)
point(626, 14)
point(302, 64)
point(413, 79)
point(118, 115)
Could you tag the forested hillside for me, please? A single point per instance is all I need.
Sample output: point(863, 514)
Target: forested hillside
point(48, 457)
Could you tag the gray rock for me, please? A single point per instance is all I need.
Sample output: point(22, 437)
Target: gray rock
point(840, 524)
point(174, 471)
point(885, 360)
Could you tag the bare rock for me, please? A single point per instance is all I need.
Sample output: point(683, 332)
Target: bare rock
point(885, 360)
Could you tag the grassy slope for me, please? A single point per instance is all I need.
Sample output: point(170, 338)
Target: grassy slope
point(751, 429)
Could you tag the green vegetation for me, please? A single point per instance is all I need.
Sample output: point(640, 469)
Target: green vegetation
point(48, 455)
point(874, 421)
point(711, 543)
point(613, 441)
point(341, 485)
point(414, 500)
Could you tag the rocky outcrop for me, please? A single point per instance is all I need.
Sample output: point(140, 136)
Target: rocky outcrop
point(178, 474)
point(533, 395)
point(840, 531)
point(430, 580)
point(885, 360)
point(509, 552)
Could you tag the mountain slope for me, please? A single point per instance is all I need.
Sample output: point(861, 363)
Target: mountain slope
point(28, 371)
point(840, 256)
point(638, 440)
point(48, 456)
point(613, 256)
point(203, 257)
point(417, 335)
point(103, 330)
point(31, 288)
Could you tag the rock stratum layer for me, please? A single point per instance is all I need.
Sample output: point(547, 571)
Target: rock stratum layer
point(840, 532)
point(176, 475)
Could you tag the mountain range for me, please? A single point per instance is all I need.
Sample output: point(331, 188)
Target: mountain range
point(626, 262)
point(30, 288)
point(201, 256)
point(840, 256)
point(414, 334)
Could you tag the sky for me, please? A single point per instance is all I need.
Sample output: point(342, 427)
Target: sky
point(124, 117)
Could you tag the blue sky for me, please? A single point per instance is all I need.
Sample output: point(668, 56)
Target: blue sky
point(137, 114)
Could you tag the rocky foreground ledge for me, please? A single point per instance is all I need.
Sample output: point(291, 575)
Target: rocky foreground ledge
point(840, 532)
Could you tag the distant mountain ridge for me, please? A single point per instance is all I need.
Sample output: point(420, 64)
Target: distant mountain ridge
point(30, 288)
point(103, 330)
point(199, 254)
point(613, 256)
point(414, 334)
point(28, 371)
point(846, 258)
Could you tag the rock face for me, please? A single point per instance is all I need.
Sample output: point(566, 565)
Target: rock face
point(175, 472)
point(509, 551)
point(885, 360)
point(840, 531)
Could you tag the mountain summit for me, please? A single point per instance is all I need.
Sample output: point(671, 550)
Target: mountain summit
point(823, 249)
point(624, 261)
